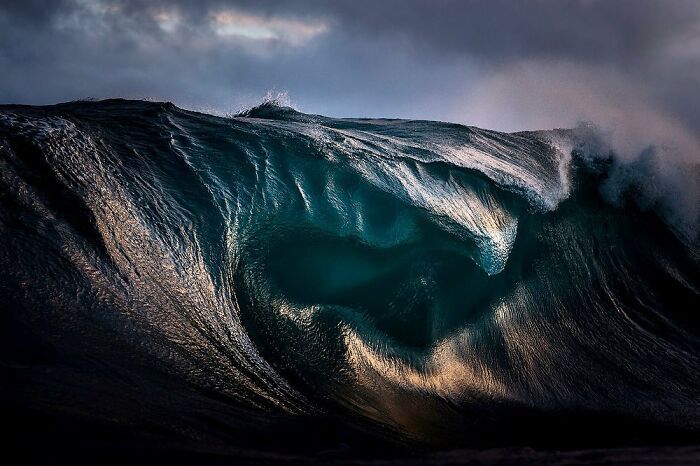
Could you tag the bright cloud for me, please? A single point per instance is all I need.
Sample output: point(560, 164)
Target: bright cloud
point(229, 23)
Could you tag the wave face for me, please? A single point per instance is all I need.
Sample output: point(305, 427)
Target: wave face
point(222, 279)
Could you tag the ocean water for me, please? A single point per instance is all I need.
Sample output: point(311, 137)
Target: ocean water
point(277, 283)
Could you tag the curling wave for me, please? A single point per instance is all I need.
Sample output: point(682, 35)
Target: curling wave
point(424, 281)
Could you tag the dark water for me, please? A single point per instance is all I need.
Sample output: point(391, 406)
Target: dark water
point(275, 283)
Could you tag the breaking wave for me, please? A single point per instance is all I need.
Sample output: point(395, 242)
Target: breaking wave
point(410, 280)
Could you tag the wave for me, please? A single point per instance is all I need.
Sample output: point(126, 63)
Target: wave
point(427, 282)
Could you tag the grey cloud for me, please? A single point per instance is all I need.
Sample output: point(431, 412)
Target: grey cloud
point(448, 60)
point(494, 30)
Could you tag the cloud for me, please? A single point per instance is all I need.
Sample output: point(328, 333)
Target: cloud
point(228, 22)
point(498, 63)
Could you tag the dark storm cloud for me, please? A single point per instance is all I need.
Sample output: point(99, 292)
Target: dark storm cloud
point(501, 30)
point(504, 64)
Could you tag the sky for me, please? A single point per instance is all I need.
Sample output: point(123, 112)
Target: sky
point(506, 65)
